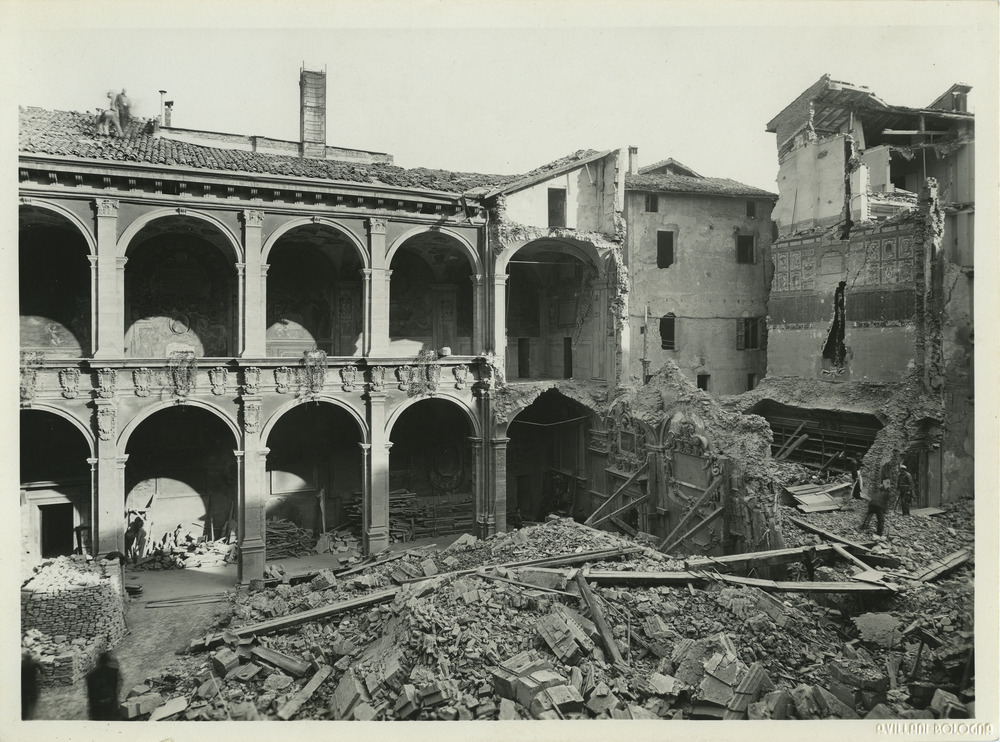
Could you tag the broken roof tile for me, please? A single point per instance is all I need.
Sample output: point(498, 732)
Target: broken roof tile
point(685, 184)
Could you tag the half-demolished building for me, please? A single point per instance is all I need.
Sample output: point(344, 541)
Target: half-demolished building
point(217, 330)
point(870, 335)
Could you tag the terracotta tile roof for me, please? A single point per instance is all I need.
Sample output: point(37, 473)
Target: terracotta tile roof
point(687, 184)
point(73, 134)
point(557, 167)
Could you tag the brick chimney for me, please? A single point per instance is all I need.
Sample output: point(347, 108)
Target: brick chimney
point(168, 109)
point(312, 113)
point(633, 160)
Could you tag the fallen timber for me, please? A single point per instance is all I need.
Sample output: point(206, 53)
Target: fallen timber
point(945, 565)
point(809, 527)
point(685, 577)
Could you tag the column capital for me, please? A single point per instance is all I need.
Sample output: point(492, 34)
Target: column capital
point(365, 447)
point(120, 262)
point(366, 272)
point(252, 218)
point(93, 260)
point(388, 445)
point(476, 442)
point(263, 452)
point(121, 461)
point(240, 267)
point(93, 462)
point(106, 207)
point(499, 442)
point(477, 279)
point(263, 269)
point(239, 454)
point(500, 279)
point(377, 225)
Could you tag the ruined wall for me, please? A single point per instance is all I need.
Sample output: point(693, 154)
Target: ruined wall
point(811, 185)
point(958, 446)
point(531, 205)
point(878, 269)
point(705, 288)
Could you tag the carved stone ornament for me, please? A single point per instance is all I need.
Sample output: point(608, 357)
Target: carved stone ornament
point(433, 377)
point(377, 378)
point(251, 380)
point(107, 379)
point(251, 416)
point(404, 375)
point(461, 376)
point(107, 207)
point(29, 378)
point(218, 376)
point(314, 368)
point(69, 380)
point(253, 218)
point(283, 378)
point(377, 225)
point(348, 375)
point(106, 417)
point(140, 379)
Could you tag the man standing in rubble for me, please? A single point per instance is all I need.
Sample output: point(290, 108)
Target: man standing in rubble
point(878, 504)
point(905, 485)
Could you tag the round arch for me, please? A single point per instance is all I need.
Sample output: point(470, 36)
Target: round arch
point(69, 216)
point(265, 431)
point(136, 226)
point(331, 223)
point(477, 431)
point(463, 244)
point(582, 250)
point(134, 423)
point(72, 419)
point(597, 419)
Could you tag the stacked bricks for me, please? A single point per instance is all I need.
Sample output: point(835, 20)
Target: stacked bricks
point(62, 661)
point(78, 603)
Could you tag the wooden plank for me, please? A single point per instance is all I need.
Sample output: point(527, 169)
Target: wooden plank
point(597, 616)
point(486, 575)
point(619, 511)
point(701, 524)
point(376, 563)
point(716, 483)
point(326, 611)
point(788, 451)
point(608, 577)
point(621, 489)
point(850, 557)
point(752, 559)
point(926, 512)
point(295, 667)
point(624, 526)
point(826, 534)
point(287, 711)
point(943, 566)
point(789, 440)
point(805, 587)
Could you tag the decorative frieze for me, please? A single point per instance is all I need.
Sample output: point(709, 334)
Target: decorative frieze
point(106, 422)
point(251, 380)
point(107, 381)
point(140, 380)
point(348, 377)
point(69, 380)
point(377, 374)
point(251, 417)
point(218, 376)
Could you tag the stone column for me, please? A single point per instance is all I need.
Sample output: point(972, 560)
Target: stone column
point(109, 505)
point(378, 296)
point(376, 531)
point(477, 314)
point(93, 506)
point(253, 490)
point(254, 287)
point(109, 331)
point(239, 342)
point(497, 519)
point(93, 304)
point(366, 312)
point(499, 319)
point(479, 496)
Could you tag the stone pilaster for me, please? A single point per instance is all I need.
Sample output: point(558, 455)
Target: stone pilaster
point(478, 312)
point(499, 318)
point(479, 493)
point(376, 506)
point(254, 286)
point(497, 518)
point(109, 298)
point(251, 522)
point(377, 326)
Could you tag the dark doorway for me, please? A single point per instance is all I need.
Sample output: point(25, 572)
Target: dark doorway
point(567, 358)
point(834, 350)
point(523, 357)
point(57, 530)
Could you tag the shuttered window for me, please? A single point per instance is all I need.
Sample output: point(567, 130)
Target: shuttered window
point(751, 333)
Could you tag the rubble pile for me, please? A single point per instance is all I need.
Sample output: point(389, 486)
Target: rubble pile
point(474, 632)
point(285, 539)
point(75, 596)
point(186, 555)
point(62, 660)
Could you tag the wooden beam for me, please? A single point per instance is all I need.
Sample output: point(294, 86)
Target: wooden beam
point(753, 559)
point(293, 704)
point(716, 483)
point(850, 557)
point(597, 615)
point(527, 586)
point(694, 529)
point(682, 578)
point(826, 534)
point(619, 511)
point(795, 444)
point(943, 566)
point(789, 439)
point(624, 526)
point(325, 611)
point(607, 577)
point(292, 666)
point(621, 489)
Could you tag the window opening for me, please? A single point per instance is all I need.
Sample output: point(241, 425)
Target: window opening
point(664, 249)
point(835, 350)
point(751, 209)
point(652, 204)
point(745, 248)
point(703, 381)
point(567, 358)
point(751, 382)
point(557, 207)
point(667, 333)
point(750, 333)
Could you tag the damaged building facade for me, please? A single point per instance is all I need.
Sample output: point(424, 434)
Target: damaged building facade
point(217, 330)
point(870, 343)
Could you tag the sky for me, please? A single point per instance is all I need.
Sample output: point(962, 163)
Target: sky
point(694, 82)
